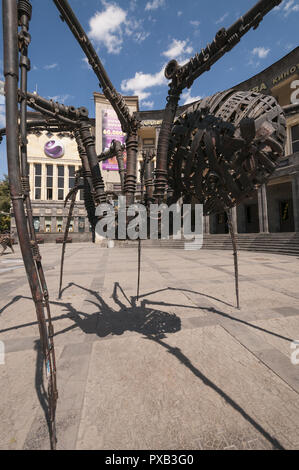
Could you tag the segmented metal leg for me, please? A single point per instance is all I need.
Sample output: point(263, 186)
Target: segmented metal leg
point(139, 268)
point(235, 253)
point(19, 185)
point(139, 239)
point(67, 229)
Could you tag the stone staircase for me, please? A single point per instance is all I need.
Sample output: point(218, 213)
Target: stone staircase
point(280, 243)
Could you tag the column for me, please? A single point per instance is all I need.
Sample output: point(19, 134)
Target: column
point(234, 219)
point(295, 191)
point(78, 192)
point(42, 224)
point(86, 225)
point(213, 223)
point(76, 224)
point(55, 183)
point(44, 183)
point(66, 181)
point(64, 221)
point(241, 220)
point(263, 209)
point(31, 179)
point(157, 136)
point(206, 224)
point(53, 224)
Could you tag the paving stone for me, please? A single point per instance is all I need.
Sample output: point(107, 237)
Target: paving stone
point(181, 368)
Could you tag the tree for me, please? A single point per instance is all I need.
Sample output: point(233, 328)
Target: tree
point(4, 204)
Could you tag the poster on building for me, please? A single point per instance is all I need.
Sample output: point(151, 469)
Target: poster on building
point(111, 130)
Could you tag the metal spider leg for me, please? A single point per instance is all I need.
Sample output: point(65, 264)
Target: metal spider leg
point(235, 253)
point(139, 239)
point(67, 228)
point(19, 186)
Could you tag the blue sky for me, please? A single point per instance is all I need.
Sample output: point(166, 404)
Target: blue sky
point(136, 38)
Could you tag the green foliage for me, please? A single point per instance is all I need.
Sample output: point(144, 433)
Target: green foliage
point(4, 204)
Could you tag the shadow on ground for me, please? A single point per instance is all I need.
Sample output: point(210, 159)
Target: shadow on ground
point(137, 317)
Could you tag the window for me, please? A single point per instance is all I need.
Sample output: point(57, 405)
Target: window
point(37, 180)
point(81, 224)
point(59, 224)
point(71, 225)
point(60, 182)
point(36, 224)
point(82, 182)
point(148, 143)
point(71, 177)
point(295, 138)
point(48, 223)
point(49, 182)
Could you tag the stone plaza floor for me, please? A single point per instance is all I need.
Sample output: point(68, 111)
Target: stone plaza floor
point(181, 368)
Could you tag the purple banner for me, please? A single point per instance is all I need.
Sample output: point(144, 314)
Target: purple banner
point(111, 130)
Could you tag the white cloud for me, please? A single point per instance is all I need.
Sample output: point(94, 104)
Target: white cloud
point(109, 27)
point(148, 104)
point(254, 63)
point(222, 18)
point(289, 46)
point(186, 96)
point(195, 23)
point(154, 5)
point(50, 67)
point(86, 63)
point(287, 7)
point(178, 49)
point(106, 27)
point(142, 82)
point(180, 13)
point(2, 113)
point(2, 105)
point(60, 98)
point(261, 52)
point(135, 29)
point(290, 7)
point(141, 36)
point(133, 5)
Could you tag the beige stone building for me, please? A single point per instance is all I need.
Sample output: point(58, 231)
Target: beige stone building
point(53, 161)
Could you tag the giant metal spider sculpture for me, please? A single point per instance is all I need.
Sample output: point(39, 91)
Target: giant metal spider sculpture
point(218, 151)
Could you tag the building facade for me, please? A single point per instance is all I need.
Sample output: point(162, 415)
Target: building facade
point(275, 206)
point(53, 161)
